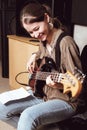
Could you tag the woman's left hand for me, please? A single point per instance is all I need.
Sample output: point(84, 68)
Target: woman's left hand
point(50, 82)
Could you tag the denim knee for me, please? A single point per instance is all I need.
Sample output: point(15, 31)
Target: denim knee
point(3, 112)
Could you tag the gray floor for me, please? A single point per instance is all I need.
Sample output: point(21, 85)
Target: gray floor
point(4, 86)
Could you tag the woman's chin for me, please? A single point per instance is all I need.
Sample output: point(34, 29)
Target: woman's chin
point(43, 39)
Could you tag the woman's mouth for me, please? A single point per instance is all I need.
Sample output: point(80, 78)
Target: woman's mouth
point(42, 37)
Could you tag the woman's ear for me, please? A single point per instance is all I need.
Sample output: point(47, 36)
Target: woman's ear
point(49, 21)
point(47, 17)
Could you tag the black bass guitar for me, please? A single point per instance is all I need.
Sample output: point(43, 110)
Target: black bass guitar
point(70, 81)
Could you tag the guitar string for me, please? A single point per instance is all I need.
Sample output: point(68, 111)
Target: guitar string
point(42, 76)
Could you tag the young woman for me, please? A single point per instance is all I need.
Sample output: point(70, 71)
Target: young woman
point(52, 105)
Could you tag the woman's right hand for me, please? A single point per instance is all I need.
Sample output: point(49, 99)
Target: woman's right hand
point(31, 64)
point(31, 67)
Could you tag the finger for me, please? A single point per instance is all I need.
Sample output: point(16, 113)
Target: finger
point(47, 80)
point(33, 66)
point(30, 69)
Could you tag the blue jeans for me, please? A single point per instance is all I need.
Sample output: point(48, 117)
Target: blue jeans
point(44, 113)
point(36, 112)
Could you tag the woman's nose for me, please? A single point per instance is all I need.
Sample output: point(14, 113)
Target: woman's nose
point(36, 34)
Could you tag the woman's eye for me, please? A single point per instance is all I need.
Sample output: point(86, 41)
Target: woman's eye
point(36, 29)
point(30, 32)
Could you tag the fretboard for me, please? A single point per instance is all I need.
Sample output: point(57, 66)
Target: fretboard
point(39, 75)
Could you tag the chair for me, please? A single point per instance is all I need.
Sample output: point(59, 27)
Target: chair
point(84, 59)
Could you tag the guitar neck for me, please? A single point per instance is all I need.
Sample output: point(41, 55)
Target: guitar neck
point(43, 75)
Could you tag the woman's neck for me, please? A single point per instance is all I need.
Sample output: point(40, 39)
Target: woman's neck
point(50, 36)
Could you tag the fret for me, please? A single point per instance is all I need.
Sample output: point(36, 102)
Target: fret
point(43, 75)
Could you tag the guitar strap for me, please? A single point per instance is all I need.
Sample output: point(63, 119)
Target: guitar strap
point(57, 51)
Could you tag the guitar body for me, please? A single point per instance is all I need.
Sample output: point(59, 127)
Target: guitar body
point(45, 65)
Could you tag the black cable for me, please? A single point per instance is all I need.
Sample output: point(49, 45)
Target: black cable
point(16, 78)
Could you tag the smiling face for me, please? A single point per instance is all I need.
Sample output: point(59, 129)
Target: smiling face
point(39, 30)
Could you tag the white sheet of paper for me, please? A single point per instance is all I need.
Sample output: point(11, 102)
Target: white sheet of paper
point(13, 95)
